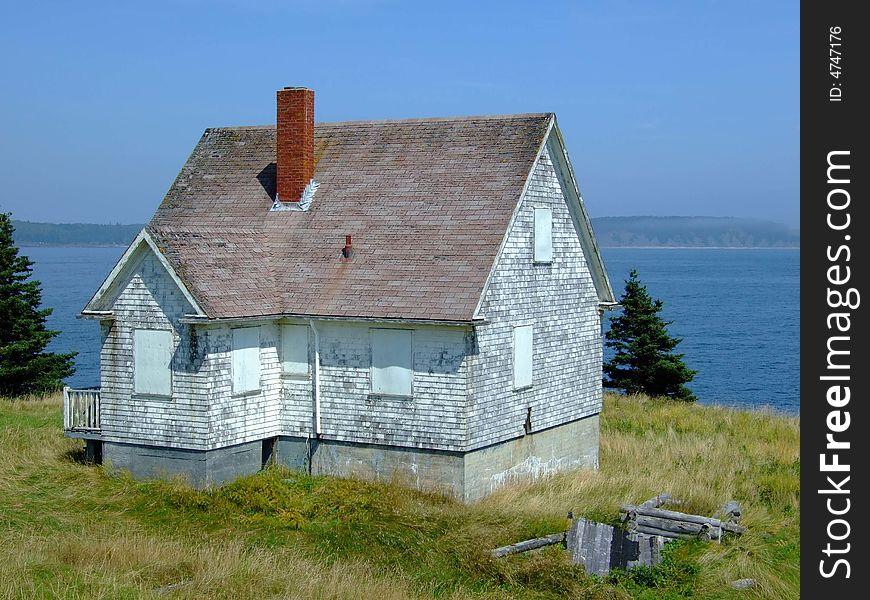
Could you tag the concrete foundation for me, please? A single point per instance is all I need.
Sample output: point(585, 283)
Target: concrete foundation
point(467, 475)
point(434, 470)
point(199, 467)
point(293, 452)
point(570, 446)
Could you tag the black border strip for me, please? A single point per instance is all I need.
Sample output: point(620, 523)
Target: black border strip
point(834, 228)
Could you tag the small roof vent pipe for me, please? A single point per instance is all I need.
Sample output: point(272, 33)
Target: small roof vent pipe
point(347, 251)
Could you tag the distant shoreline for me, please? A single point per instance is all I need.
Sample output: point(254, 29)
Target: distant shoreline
point(610, 232)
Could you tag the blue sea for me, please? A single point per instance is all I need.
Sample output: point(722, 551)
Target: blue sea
point(737, 312)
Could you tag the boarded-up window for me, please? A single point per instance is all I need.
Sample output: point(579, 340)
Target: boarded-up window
point(152, 362)
point(246, 360)
point(294, 349)
point(543, 235)
point(391, 362)
point(522, 356)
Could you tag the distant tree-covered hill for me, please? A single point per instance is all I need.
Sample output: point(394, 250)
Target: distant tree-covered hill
point(609, 231)
point(28, 233)
point(693, 232)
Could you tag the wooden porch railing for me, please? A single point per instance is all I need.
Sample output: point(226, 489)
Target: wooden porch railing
point(81, 410)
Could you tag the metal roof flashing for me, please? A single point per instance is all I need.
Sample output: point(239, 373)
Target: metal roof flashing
point(304, 203)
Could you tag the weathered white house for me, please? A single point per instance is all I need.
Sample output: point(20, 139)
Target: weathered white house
point(419, 298)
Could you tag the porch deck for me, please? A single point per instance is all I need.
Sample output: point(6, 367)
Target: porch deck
point(81, 413)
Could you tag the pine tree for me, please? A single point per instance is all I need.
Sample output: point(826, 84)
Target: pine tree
point(644, 361)
point(25, 367)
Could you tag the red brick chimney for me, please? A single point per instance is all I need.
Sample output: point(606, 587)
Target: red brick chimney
point(295, 160)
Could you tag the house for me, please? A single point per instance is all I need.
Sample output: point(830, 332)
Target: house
point(418, 298)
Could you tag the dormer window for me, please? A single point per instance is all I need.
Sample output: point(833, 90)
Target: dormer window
point(544, 235)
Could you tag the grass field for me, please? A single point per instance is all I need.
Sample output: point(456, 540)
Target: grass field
point(71, 530)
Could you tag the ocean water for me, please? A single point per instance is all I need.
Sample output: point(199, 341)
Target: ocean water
point(69, 277)
point(736, 310)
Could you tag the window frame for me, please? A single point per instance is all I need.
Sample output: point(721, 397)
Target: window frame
point(235, 352)
point(373, 332)
point(164, 391)
point(542, 253)
point(522, 384)
point(284, 327)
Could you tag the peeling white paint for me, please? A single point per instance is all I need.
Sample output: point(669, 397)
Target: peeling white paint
point(531, 468)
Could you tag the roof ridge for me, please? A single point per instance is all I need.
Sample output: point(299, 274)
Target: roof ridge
point(506, 117)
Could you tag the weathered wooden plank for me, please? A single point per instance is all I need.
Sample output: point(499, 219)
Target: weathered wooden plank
point(66, 413)
point(526, 545)
point(600, 548)
point(656, 531)
point(705, 533)
point(632, 513)
point(650, 550)
point(670, 525)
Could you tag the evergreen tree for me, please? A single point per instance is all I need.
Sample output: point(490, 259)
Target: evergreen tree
point(643, 360)
point(25, 367)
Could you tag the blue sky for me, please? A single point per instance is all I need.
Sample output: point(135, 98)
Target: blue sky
point(668, 108)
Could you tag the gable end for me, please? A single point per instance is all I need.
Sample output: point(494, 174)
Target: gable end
point(565, 172)
point(555, 146)
point(94, 308)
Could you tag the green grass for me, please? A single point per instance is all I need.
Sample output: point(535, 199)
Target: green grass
point(76, 531)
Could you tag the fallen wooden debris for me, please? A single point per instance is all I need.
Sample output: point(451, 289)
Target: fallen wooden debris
point(600, 548)
point(673, 524)
point(533, 544)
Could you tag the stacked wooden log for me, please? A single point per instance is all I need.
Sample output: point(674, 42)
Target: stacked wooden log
point(533, 544)
point(652, 520)
point(600, 548)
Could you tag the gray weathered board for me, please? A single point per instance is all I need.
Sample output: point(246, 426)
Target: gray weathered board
point(672, 524)
point(533, 544)
point(600, 548)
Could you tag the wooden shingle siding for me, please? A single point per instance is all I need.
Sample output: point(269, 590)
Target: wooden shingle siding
point(560, 300)
point(297, 408)
point(297, 395)
point(432, 417)
point(238, 418)
point(147, 298)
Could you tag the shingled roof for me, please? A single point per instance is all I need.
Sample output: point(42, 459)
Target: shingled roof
point(426, 201)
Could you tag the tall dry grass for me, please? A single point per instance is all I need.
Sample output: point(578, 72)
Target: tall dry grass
point(72, 530)
point(703, 456)
point(87, 564)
